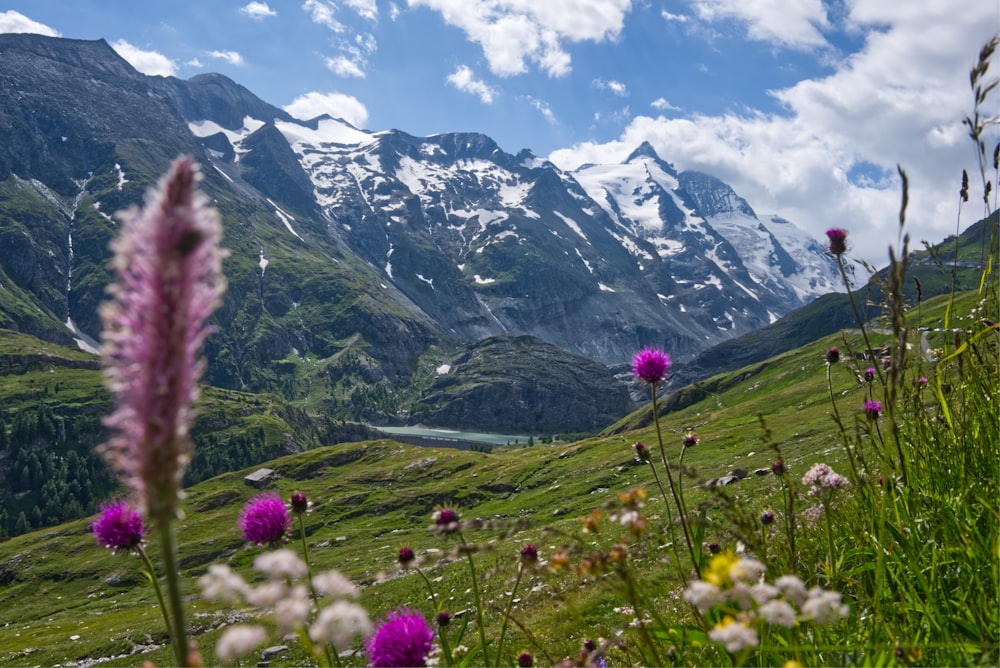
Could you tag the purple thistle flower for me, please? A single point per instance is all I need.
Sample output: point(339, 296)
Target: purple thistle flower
point(778, 468)
point(264, 519)
point(119, 527)
point(873, 408)
point(650, 365)
point(168, 281)
point(529, 554)
point(838, 240)
point(690, 439)
point(404, 638)
point(642, 452)
point(525, 660)
point(445, 520)
point(299, 502)
point(869, 374)
point(406, 556)
point(443, 618)
point(767, 517)
point(833, 355)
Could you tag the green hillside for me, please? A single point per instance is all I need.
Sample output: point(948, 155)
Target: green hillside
point(63, 600)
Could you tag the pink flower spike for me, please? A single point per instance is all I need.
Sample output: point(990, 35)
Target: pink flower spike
point(168, 281)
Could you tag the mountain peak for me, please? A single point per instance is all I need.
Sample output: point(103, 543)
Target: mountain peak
point(646, 150)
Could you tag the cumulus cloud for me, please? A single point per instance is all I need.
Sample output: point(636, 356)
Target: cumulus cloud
point(366, 9)
point(152, 63)
point(337, 105)
point(464, 80)
point(796, 25)
point(257, 11)
point(829, 158)
point(11, 21)
point(231, 57)
point(616, 87)
point(514, 32)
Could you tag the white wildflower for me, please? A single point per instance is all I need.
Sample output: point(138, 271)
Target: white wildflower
point(824, 606)
point(293, 610)
point(734, 635)
point(778, 613)
point(335, 585)
point(703, 595)
point(220, 583)
point(763, 592)
point(741, 595)
point(747, 570)
point(238, 641)
point(266, 595)
point(339, 623)
point(280, 565)
point(793, 588)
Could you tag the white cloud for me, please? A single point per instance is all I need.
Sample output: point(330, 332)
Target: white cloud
point(231, 57)
point(152, 63)
point(679, 18)
point(257, 11)
point(616, 87)
point(512, 32)
point(394, 11)
point(796, 25)
point(543, 107)
point(338, 105)
point(464, 80)
point(343, 66)
point(826, 160)
point(322, 13)
point(661, 104)
point(194, 62)
point(12, 21)
point(366, 9)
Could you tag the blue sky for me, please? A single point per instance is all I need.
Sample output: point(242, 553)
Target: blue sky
point(804, 106)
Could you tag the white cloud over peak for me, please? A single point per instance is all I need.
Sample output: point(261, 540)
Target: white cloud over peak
point(464, 80)
point(828, 159)
point(11, 21)
point(231, 57)
point(152, 63)
point(257, 11)
point(512, 32)
point(796, 25)
point(337, 105)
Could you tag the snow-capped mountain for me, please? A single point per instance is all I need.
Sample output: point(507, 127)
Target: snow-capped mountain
point(369, 254)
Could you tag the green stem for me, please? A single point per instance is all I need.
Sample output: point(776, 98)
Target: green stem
point(178, 632)
point(151, 573)
point(670, 524)
point(506, 614)
point(670, 480)
point(332, 656)
point(479, 603)
point(829, 540)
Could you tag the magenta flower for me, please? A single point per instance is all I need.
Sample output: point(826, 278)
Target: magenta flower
point(833, 355)
point(642, 452)
point(119, 527)
point(690, 439)
point(869, 374)
point(404, 638)
point(650, 365)
point(838, 240)
point(264, 519)
point(446, 520)
point(168, 281)
point(406, 556)
point(529, 554)
point(873, 408)
point(300, 503)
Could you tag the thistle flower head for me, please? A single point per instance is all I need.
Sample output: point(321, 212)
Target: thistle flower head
point(443, 618)
point(264, 519)
point(650, 365)
point(529, 554)
point(641, 451)
point(872, 409)
point(445, 520)
point(767, 517)
point(869, 374)
point(778, 468)
point(525, 660)
point(168, 281)
point(838, 240)
point(299, 503)
point(406, 556)
point(119, 527)
point(690, 439)
point(833, 355)
point(404, 638)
